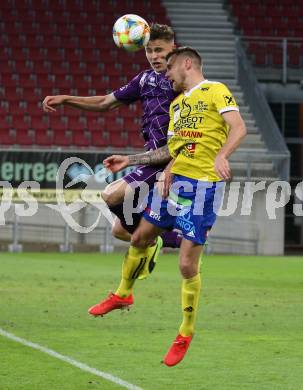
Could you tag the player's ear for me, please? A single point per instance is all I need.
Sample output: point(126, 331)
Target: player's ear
point(188, 63)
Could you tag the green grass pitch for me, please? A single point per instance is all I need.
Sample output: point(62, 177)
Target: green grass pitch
point(249, 333)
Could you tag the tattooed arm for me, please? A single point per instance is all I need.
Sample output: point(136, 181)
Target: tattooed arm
point(154, 157)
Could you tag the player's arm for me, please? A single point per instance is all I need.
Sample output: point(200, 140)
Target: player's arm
point(237, 132)
point(154, 157)
point(165, 180)
point(89, 103)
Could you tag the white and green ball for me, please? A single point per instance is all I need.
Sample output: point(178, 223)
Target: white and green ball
point(131, 32)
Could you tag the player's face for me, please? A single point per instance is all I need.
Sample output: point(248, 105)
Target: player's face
point(156, 52)
point(176, 72)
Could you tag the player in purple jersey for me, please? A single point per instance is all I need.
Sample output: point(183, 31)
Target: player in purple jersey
point(155, 93)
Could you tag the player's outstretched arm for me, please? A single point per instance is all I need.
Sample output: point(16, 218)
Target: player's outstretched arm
point(236, 133)
point(154, 157)
point(88, 103)
point(116, 162)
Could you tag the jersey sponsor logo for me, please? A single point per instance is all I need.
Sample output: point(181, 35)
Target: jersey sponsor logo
point(185, 110)
point(186, 225)
point(176, 107)
point(204, 89)
point(154, 215)
point(165, 84)
point(229, 100)
point(201, 106)
point(189, 133)
point(191, 234)
point(142, 80)
point(190, 122)
point(191, 148)
point(189, 153)
point(152, 81)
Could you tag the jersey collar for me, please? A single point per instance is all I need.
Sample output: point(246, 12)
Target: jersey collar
point(195, 87)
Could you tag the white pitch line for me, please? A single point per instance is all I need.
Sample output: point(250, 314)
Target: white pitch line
point(71, 361)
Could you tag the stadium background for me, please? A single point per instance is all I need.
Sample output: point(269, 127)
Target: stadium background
point(66, 47)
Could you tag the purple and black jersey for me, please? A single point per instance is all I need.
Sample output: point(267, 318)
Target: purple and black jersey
point(156, 94)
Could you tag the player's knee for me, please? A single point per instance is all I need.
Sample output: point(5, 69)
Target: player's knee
point(187, 268)
point(120, 233)
point(105, 197)
point(140, 240)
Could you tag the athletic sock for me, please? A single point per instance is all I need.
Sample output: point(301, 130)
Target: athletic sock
point(138, 264)
point(190, 299)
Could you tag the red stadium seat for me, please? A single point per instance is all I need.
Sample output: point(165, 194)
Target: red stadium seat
point(38, 123)
point(118, 140)
point(130, 126)
point(57, 123)
point(135, 140)
point(44, 137)
point(295, 55)
point(27, 80)
point(98, 139)
point(37, 54)
point(20, 124)
point(278, 18)
point(80, 138)
point(65, 48)
point(24, 137)
point(74, 124)
point(7, 137)
point(62, 138)
point(34, 108)
point(4, 125)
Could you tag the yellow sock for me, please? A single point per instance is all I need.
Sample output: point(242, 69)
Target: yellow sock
point(138, 264)
point(152, 254)
point(134, 261)
point(190, 299)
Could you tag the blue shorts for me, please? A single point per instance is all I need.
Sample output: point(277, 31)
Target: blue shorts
point(142, 174)
point(191, 207)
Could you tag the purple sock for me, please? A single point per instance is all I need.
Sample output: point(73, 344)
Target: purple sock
point(171, 239)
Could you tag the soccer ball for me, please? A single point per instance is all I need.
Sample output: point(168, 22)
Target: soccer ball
point(131, 32)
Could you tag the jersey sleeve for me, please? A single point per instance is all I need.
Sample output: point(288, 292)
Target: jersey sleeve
point(130, 92)
point(223, 99)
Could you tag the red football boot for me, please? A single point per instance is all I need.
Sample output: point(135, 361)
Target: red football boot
point(112, 302)
point(178, 350)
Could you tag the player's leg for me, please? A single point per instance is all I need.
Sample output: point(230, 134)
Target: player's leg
point(115, 194)
point(136, 260)
point(198, 211)
point(119, 232)
point(190, 253)
point(141, 256)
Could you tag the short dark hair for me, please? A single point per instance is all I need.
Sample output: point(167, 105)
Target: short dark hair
point(161, 31)
point(188, 51)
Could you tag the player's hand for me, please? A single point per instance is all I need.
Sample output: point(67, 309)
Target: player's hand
point(164, 183)
point(116, 162)
point(50, 102)
point(222, 167)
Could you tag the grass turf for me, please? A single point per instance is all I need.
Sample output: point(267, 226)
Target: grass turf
point(249, 333)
